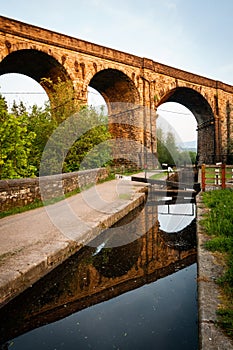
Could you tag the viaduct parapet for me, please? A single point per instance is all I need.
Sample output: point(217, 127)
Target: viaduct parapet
point(133, 87)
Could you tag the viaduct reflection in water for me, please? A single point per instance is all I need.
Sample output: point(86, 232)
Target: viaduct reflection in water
point(92, 276)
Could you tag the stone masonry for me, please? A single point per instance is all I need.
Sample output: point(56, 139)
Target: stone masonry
point(20, 192)
point(125, 81)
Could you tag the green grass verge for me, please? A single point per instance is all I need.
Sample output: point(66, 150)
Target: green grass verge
point(159, 175)
point(36, 204)
point(218, 224)
point(211, 175)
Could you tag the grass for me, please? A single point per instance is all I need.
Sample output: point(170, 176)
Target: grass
point(125, 196)
point(219, 225)
point(159, 175)
point(36, 204)
point(211, 174)
point(126, 172)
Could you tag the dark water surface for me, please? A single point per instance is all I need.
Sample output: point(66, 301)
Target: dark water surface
point(140, 295)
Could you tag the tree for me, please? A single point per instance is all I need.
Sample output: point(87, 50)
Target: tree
point(15, 143)
point(93, 139)
point(19, 109)
point(166, 147)
point(25, 134)
point(172, 149)
point(42, 124)
point(161, 147)
point(168, 151)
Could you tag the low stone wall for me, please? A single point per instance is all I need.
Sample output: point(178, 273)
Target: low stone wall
point(20, 192)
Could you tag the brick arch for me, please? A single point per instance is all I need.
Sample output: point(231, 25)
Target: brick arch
point(116, 87)
point(192, 100)
point(35, 64)
point(204, 115)
point(125, 120)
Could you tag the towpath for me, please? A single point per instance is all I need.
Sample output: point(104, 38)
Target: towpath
point(34, 242)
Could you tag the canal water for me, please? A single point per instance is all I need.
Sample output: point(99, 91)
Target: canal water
point(140, 295)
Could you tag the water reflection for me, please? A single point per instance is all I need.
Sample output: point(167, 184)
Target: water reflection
point(122, 276)
point(175, 217)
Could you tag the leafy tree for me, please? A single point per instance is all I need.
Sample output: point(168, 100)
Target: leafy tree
point(172, 149)
point(42, 124)
point(18, 110)
point(161, 147)
point(15, 143)
point(168, 151)
point(166, 147)
point(192, 156)
point(24, 135)
point(92, 141)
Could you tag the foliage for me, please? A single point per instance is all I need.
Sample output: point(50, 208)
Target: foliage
point(220, 219)
point(225, 320)
point(40, 122)
point(163, 154)
point(77, 143)
point(18, 110)
point(221, 244)
point(61, 95)
point(24, 135)
point(168, 151)
point(219, 224)
point(15, 144)
point(159, 176)
point(91, 149)
point(192, 156)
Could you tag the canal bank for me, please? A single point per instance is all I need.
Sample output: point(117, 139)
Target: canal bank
point(32, 243)
point(210, 268)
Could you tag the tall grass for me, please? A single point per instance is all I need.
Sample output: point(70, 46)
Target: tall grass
point(219, 224)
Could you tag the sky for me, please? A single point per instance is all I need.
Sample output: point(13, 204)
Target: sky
point(193, 35)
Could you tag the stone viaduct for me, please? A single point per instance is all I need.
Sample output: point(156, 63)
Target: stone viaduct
point(133, 88)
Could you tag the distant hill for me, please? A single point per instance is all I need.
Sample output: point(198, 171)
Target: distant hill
point(188, 146)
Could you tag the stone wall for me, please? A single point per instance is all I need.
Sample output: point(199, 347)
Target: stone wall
point(20, 192)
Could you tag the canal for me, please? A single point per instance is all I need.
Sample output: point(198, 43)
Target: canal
point(125, 290)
